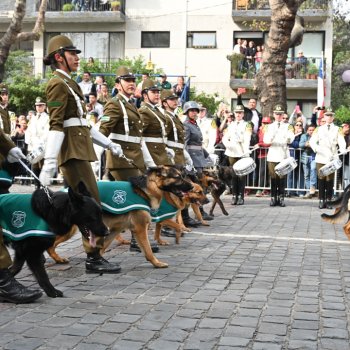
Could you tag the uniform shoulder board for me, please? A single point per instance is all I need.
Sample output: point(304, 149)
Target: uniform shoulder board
point(105, 118)
point(316, 130)
point(213, 124)
point(290, 127)
point(249, 125)
point(340, 131)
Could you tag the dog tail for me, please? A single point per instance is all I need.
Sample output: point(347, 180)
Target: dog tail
point(342, 210)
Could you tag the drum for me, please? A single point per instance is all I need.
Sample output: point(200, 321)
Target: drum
point(36, 155)
point(330, 167)
point(286, 166)
point(244, 166)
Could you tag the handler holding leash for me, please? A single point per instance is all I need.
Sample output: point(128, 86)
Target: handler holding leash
point(10, 289)
point(278, 135)
point(70, 139)
point(324, 141)
point(237, 140)
point(122, 122)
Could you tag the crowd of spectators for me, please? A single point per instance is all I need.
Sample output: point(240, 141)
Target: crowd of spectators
point(301, 182)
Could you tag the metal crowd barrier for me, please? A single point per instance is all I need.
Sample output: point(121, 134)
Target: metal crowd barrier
point(259, 179)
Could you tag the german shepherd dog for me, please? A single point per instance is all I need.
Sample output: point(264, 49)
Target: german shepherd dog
point(342, 210)
point(195, 198)
point(151, 186)
point(63, 212)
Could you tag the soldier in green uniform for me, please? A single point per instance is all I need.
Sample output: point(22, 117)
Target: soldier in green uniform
point(122, 122)
point(5, 122)
point(70, 140)
point(155, 125)
point(10, 289)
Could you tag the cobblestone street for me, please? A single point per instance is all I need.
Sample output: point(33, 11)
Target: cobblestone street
point(260, 278)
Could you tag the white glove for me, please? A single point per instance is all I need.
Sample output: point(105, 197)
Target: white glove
point(170, 153)
point(147, 156)
point(48, 171)
point(14, 155)
point(116, 149)
point(99, 139)
point(53, 147)
point(188, 161)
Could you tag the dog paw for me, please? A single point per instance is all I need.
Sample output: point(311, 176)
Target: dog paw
point(55, 293)
point(162, 242)
point(205, 223)
point(160, 265)
point(60, 260)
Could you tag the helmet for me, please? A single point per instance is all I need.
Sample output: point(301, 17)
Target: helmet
point(149, 84)
point(60, 42)
point(190, 105)
point(167, 94)
point(124, 73)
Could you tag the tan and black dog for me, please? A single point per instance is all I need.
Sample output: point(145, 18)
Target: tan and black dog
point(195, 198)
point(341, 212)
point(150, 187)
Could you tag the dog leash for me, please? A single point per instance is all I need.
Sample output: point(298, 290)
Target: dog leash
point(131, 162)
point(45, 188)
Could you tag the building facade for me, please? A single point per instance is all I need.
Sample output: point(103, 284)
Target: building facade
point(183, 37)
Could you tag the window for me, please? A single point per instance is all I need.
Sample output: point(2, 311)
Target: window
point(201, 40)
point(155, 39)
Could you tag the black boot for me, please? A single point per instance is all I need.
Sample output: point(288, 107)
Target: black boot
point(322, 194)
point(280, 191)
point(14, 292)
point(134, 247)
point(205, 215)
point(273, 201)
point(329, 194)
point(188, 221)
point(168, 232)
point(241, 189)
point(234, 190)
point(95, 263)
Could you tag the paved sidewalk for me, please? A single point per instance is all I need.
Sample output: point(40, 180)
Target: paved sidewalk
point(260, 278)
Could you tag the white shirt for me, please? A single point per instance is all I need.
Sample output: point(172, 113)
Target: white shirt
point(85, 87)
point(279, 135)
point(237, 138)
point(324, 142)
point(37, 131)
point(208, 132)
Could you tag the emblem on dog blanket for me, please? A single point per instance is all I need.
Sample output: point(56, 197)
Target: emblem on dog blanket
point(17, 218)
point(118, 197)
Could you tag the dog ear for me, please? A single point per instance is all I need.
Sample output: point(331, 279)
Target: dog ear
point(74, 196)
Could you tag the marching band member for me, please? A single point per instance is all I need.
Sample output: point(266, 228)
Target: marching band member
point(237, 140)
point(324, 141)
point(278, 135)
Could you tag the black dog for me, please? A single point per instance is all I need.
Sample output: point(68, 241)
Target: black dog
point(60, 211)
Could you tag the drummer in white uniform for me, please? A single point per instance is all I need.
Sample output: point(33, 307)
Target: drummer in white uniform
point(278, 135)
point(237, 140)
point(325, 141)
point(36, 136)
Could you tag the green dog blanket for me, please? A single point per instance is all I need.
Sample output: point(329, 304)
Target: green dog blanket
point(18, 220)
point(118, 197)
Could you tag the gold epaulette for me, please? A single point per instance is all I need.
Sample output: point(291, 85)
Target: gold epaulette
point(291, 127)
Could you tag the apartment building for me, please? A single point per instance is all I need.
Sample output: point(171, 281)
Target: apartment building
point(183, 37)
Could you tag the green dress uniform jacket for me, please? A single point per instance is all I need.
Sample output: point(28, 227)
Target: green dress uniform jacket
point(113, 126)
point(62, 106)
point(5, 143)
point(180, 133)
point(152, 129)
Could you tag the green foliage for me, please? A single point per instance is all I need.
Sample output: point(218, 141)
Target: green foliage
point(312, 69)
point(136, 64)
point(342, 115)
point(235, 59)
point(211, 102)
point(23, 86)
point(68, 7)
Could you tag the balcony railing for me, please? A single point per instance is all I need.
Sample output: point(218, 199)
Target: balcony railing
point(245, 5)
point(295, 68)
point(83, 5)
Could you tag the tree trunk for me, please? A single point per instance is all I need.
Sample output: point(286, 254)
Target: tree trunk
point(271, 79)
point(14, 31)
